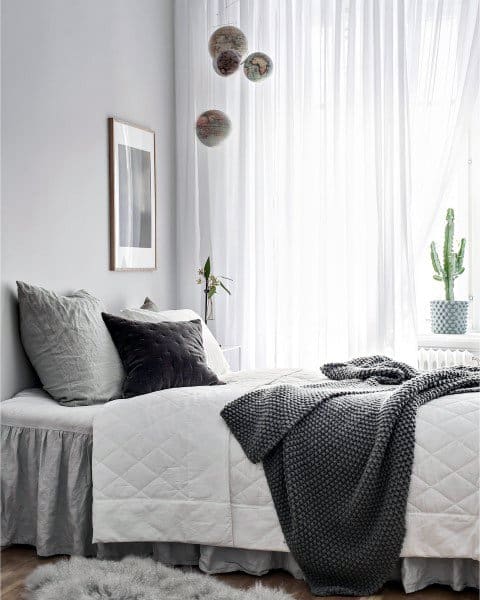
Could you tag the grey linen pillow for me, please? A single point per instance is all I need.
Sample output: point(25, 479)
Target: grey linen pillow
point(69, 346)
point(149, 304)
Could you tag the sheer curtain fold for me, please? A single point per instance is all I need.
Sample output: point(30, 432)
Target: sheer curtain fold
point(443, 55)
point(307, 205)
point(443, 59)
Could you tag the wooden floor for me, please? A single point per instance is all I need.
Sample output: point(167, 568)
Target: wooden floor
point(18, 561)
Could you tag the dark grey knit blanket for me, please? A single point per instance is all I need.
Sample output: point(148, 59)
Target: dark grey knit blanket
point(338, 458)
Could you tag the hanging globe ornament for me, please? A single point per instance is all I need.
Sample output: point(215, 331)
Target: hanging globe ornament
point(213, 126)
point(257, 66)
point(227, 62)
point(227, 38)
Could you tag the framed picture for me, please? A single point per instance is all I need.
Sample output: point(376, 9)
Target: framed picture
point(132, 197)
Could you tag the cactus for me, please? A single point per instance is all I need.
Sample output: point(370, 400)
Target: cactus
point(452, 261)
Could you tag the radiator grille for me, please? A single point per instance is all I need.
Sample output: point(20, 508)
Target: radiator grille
point(437, 358)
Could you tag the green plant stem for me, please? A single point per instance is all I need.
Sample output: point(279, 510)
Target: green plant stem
point(206, 301)
point(449, 294)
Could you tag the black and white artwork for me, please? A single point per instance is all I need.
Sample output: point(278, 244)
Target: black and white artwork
point(132, 197)
point(135, 197)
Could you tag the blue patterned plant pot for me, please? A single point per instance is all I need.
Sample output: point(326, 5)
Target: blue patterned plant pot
point(449, 317)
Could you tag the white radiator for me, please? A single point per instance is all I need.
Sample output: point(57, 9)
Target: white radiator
point(436, 358)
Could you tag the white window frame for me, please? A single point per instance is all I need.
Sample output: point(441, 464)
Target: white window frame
point(473, 244)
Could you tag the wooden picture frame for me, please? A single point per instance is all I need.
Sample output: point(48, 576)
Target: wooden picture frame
point(133, 207)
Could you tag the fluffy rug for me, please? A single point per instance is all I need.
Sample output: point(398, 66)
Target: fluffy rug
point(132, 579)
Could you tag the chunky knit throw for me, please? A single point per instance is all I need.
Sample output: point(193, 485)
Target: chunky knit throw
point(338, 458)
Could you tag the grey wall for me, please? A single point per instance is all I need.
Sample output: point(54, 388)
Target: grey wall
point(66, 66)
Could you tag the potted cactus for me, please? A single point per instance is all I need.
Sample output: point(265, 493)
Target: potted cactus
point(449, 315)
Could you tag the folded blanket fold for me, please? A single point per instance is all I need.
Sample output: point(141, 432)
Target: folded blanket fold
point(377, 368)
point(338, 457)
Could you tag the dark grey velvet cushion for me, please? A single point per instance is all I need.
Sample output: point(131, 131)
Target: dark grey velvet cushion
point(157, 356)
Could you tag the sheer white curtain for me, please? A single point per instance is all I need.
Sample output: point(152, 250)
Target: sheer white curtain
point(307, 203)
point(443, 44)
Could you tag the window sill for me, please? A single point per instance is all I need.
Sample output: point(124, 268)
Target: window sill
point(468, 341)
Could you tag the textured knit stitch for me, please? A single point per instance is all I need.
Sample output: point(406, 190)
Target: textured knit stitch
point(338, 458)
point(375, 368)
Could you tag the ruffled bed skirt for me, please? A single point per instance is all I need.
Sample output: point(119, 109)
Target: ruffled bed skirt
point(46, 490)
point(414, 573)
point(46, 502)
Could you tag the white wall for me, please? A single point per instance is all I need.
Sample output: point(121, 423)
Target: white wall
point(66, 66)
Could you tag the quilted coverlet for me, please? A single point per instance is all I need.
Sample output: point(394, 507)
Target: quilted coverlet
point(166, 468)
point(337, 457)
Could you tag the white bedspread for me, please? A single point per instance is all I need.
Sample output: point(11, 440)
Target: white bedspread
point(166, 468)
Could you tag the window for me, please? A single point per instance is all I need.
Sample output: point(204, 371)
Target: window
point(463, 195)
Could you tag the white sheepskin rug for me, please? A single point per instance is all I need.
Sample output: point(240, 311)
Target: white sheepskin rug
point(132, 579)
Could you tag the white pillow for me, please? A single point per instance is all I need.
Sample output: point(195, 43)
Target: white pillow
point(215, 358)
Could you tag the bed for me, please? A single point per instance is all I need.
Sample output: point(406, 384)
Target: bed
point(161, 474)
